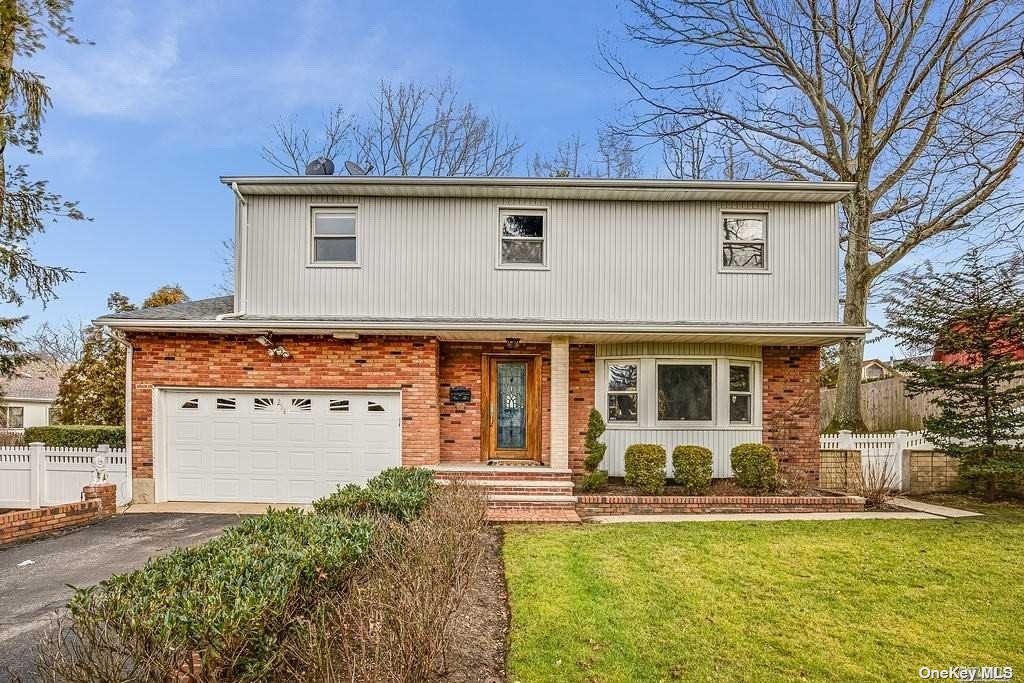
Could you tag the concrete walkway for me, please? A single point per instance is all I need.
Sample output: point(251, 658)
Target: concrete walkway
point(940, 510)
point(209, 508)
point(760, 517)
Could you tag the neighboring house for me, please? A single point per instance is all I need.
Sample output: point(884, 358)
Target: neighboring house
point(27, 395)
point(874, 369)
point(457, 322)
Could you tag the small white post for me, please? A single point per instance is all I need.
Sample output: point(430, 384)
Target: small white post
point(37, 475)
point(845, 440)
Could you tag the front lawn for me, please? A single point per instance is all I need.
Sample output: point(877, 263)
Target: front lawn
point(769, 601)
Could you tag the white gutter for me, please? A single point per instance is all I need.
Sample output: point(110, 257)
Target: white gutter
point(241, 242)
point(516, 325)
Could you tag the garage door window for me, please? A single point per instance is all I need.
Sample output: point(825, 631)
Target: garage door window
point(303, 405)
point(226, 404)
point(262, 404)
point(374, 407)
point(339, 405)
point(191, 404)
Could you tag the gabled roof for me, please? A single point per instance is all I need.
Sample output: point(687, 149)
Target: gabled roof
point(33, 381)
point(657, 189)
point(200, 309)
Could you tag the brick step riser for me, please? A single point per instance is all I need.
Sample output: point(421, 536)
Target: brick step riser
point(497, 490)
point(452, 475)
point(535, 506)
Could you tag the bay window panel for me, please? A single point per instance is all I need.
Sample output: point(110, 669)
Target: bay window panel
point(739, 378)
point(739, 408)
point(622, 377)
point(622, 408)
point(685, 393)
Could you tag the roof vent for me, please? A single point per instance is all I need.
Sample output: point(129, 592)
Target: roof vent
point(321, 166)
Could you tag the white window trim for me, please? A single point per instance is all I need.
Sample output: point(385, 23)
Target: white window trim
point(639, 392)
point(721, 241)
point(526, 211)
point(315, 209)
point(647, 408)
point(755, 407)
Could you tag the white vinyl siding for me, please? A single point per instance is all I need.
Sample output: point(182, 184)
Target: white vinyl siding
point(606, 260)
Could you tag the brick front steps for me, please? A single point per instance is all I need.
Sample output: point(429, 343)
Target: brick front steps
point(518, 494)
point(591, 505)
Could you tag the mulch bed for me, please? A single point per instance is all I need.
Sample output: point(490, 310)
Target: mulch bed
point(719, 487)
point(478, 652)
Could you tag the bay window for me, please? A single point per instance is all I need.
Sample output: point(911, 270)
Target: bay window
point(680, 392)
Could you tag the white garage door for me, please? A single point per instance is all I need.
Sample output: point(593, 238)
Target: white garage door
point(275, 446)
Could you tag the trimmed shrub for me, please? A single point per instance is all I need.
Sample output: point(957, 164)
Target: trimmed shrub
point(76, 436)
point(594, 449)
point(645, 467)
point(234, 599)
point(755, 467)
point(594, 481)
point(399, 492)
point(692, 465)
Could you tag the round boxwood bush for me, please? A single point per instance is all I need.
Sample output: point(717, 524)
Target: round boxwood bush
point(755, 467)
point(645, 467)
point(692, 465)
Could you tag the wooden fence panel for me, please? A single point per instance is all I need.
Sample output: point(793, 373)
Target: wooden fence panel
point(885, 406)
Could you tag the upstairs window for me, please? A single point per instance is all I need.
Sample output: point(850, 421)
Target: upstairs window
point(521, 236)
point(744, 236)
point(335, 237)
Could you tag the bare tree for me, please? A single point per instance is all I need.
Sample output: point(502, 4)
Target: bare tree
point(567, 161)
point(919, 103)
point(57, 346)
point(426, 130)
point(615, 158)
point(294, 146)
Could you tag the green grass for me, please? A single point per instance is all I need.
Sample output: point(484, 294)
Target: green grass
point(855, 600)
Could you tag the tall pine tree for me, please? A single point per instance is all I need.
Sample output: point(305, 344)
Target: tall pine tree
point(973, 318)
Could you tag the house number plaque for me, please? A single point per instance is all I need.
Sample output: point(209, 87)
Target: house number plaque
point(460, 394)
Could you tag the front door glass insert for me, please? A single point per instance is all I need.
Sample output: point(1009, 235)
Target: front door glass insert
point(511, 380)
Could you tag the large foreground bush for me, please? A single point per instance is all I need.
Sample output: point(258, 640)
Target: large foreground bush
point(288, 596)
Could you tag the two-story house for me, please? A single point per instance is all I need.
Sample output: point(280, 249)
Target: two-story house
point(471, 324)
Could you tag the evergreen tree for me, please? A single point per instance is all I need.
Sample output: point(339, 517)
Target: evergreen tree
point(26, 204)
point(974, 318)
point(92, 390)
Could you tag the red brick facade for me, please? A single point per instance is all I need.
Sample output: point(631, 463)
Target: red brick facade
point(581, 400)
point(461, 365)
point(790, 406)
point(408, 364)
point(434, 429)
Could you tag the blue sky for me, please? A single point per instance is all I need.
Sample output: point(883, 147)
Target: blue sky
point(173, 95)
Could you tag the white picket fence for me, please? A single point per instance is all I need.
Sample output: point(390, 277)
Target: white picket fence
point(35, 475)
point(877, 450)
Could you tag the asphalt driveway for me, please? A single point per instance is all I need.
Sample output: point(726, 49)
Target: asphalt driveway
point(32, 592)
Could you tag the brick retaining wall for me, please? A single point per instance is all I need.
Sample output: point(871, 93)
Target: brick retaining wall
point(100, 502)
point(588, 506)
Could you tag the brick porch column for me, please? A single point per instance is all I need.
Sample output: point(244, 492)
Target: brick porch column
point(560, 402)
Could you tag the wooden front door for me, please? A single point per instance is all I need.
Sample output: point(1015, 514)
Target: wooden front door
point(511, 406)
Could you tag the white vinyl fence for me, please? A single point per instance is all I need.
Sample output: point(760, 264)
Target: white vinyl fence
point(877, 450)
point(36, 476)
